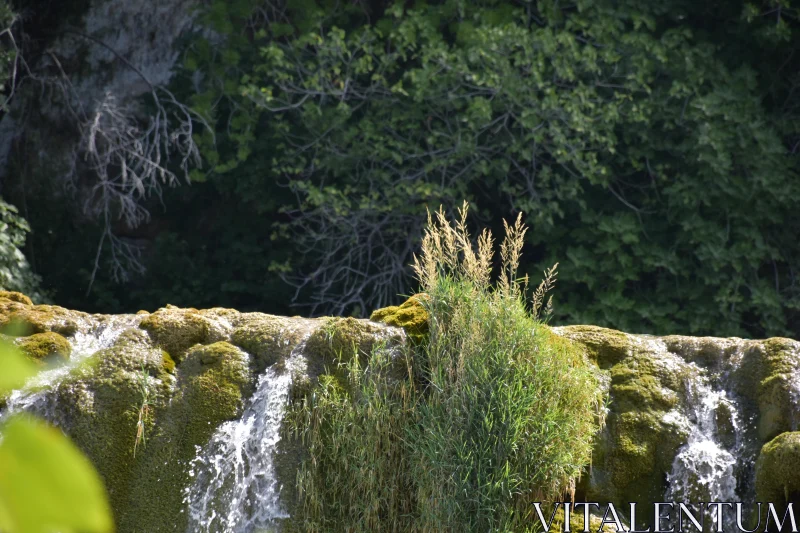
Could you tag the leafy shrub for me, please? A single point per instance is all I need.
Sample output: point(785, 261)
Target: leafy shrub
point(15, 272)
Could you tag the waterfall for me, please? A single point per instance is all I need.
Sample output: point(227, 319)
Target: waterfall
point(704, 470)
point(234, 486)
point(34, 398)
point(717, 463)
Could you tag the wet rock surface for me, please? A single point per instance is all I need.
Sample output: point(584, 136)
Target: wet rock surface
point(688, 415)
point(173, 407)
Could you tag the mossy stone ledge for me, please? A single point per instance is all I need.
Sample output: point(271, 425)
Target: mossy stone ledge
point(778, 470)
point(176, 330)
point(411, 315)
point(20, 318)
point(18, 297)
point(187, 371)
point(634, 451)
point(45, 347)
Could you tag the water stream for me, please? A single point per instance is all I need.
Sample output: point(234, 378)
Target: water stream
point(717, 462)
point(234, 485)
point(34, 398)
point(704, 470)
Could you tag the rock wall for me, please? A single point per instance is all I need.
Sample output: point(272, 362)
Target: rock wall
point(147, 397)
point(142, 394)
point(688, 416)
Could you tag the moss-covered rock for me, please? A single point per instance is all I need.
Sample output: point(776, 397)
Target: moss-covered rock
point(762, 374)
point(411, 315)
point(634, 452)
point(21, 319)
point(765, 376)
point(649, 390)
point(180, 406)
point(778, 470)
point(101, 404)
point(176, 330)
point(212, 382)
point(167, 362)
point(606, 347)
point(45, 347)
point(338, 340)
point(780, 366)
point(268, 339)
point(337, 336)
point(709, 352)
point(15, 297)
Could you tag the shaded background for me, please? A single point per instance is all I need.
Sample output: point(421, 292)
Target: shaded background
point(653, 150)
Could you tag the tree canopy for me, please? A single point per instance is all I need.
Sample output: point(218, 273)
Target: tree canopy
point(652, 147)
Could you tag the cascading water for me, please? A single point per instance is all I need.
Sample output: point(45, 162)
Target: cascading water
point(34, 398)
point(704, 470)
point(717, 463)
point(235, 488)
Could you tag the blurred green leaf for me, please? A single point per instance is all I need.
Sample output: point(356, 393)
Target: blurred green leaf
point(46, 484)
point(16, 370)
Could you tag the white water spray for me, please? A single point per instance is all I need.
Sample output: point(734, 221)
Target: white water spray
point(703, 470)
point(235, 488)
point(34, 398)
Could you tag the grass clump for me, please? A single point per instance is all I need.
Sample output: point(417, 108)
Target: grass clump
point(495, 412)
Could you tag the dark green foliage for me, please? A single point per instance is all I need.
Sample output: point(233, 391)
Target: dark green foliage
point(653, 146)
point(650, 157)
point(15, 272)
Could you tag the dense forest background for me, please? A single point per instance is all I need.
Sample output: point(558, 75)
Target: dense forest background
point(286, 161)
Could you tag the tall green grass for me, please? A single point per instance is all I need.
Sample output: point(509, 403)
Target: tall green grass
point(493, 413)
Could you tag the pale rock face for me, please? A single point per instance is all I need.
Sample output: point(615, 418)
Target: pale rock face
point(119, 49)
point(687, 417)
point(144, 33)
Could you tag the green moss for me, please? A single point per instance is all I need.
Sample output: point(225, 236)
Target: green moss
point(764, 377)
point(214, 380)
point(268, 339)
point(778, 470)
point(176, 330)
point(103, 402)
point(631, 459)
point(780, 365)
point(216, 376)
point(333, 344)
point(20, 319)
point(606, 347)
point(708, 352)
point(411, 315)
point(41, 347)
point(636, 449)
point(343, 336)
point(15, 297)
point(167, 363)
point(633, 389)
